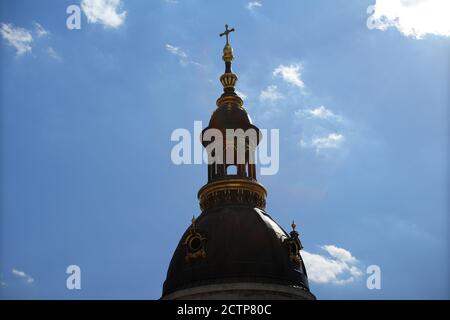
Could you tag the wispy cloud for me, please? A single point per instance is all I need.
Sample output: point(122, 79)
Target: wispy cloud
point(337, 266)
point(291, 74)
point(20, 38)
point(318, 113)
point(269, 109)
point(319, 144)
point(53, 54)
point(253, 5)
point(270, 94)
point(413, 18)
point(241, 94)
point(176, 51)
point(339, 253)
point(39, 30)
point(319, 129)
point(21, 274)
point(105, 12)
point(23, 40)
point(322, 129)
point(182, 56)
point(3, 284)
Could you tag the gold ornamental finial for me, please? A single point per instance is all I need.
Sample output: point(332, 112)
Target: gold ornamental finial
point(228, 79)
point(293, 225)
point(227, 50)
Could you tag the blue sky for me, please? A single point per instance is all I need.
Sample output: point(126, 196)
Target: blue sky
point(87, 115)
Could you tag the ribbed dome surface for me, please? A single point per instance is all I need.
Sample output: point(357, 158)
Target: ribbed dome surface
point(230, 118)
point(243, 244)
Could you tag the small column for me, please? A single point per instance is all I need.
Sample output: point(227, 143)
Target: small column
point(241, 170)
point(252, 171)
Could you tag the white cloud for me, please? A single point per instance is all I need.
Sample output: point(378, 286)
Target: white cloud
point(53, 54)
point(22, 275)
point(105, 12)
point(339, 253)
point(318, 113)
point(331, 141)
point(252, 5)
point(413, 18)
point(291, 74)
point(2, 282)
point(322, 130)
point(241, 94)
point(39, 30)
point(270, 94)
point(17, 37)
point(176, 51)
point(339, 267)
point(182, 56)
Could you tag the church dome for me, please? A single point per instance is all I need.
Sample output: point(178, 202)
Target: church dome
point(230, 118)
point(234, 249)
point(241, 244)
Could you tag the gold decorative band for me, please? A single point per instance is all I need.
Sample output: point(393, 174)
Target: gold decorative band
point(229, 99)
point(232, 191)
point(228, 80)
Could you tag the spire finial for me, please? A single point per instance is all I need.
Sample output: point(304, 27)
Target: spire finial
point(293, 225)
point(193, 222)
point(226, 33)
point(227, 50)
point(228, 79)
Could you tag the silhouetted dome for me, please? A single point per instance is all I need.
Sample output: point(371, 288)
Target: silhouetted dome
point(242, 244)
point(230, 118)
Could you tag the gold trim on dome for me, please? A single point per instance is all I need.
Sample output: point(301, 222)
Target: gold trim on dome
point(194, 243)
point(232, 191)
point(229, 99)
point(228, 80)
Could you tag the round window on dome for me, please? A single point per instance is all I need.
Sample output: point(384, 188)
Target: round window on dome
point(195, 243)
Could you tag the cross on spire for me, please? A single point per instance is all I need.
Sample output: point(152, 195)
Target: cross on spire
point(227, 32)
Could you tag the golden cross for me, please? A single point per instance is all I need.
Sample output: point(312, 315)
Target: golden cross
point(227, 32)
